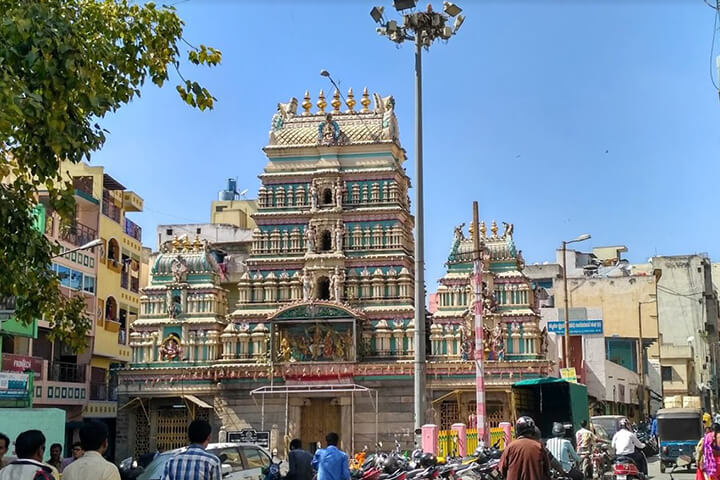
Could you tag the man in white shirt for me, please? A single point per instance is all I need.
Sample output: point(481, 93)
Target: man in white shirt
point(626, 444)
point(30, 449)
point(94, 438)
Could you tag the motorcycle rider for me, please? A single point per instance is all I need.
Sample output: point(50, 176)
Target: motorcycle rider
point(585, 441)
point(525, 458)
point(563, 451)
point(626, 444)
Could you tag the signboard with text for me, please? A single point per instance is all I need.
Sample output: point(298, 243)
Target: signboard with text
point(569, 374)
point(20, 363)
point(577, 327)
point(13, 385)
point(261, 439)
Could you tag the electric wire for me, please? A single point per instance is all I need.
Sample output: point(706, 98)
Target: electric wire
point(372, 135)
point(712, 47)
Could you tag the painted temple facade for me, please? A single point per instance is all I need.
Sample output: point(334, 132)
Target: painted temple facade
point(321, 337)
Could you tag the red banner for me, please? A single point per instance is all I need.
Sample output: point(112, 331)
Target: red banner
point(20, 363)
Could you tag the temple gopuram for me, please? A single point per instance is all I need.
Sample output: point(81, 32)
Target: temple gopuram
point(321, 338)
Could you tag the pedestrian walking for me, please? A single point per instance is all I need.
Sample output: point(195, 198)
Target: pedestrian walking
point(525, 458)
point(708, 466)
point(195, 463)
point(94, 439)
point(562, 450)
point(300, 462)
point(55, 459)
point(330, 462)
point(77, 452)
point(30, 450)
point(4, 447)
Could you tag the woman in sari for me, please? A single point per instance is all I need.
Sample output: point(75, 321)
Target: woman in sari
point(710, 468)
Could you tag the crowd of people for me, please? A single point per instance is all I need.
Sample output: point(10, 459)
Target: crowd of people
point(86, 462)
point(526, 458)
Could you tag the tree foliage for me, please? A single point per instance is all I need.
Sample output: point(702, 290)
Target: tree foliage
point(65, 64)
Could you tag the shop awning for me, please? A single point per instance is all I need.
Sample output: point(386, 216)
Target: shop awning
point(197, 401)
point(290, 389)
point(140, 402)
point(452, 394)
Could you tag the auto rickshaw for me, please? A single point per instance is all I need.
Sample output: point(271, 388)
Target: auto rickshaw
point(679, 430)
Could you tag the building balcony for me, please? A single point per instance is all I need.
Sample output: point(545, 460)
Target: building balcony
point(132, 202)
point(109, 209)
point(66, 372)
point(102, 392)
point(79, 234)
point(132, 229)
point(61, 384)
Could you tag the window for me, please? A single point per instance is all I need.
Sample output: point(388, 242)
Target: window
point(76, 280)
point(89, 284)
point(327, 197)
point(198, 230)
point(323, 288)
point(64, 274)
point(667, 374)
point(622, 351)
point(255, 458)
point(229, 456)
point(168, 231)
point(325, 241)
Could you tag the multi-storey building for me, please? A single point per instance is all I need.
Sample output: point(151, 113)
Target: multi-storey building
point(321, 335)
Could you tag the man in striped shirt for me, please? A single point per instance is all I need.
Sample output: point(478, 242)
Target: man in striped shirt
point(562, 450)
point(195, 463)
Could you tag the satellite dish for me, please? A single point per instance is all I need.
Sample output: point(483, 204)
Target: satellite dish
point(242, 194)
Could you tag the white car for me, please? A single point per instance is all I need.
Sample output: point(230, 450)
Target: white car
point(240, 461)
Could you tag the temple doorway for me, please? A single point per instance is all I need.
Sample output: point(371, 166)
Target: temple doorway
point(319, 417)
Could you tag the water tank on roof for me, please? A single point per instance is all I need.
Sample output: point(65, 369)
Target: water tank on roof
point(231, 192)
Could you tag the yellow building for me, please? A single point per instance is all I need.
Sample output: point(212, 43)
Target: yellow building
point(118, 282)
point(234, 212)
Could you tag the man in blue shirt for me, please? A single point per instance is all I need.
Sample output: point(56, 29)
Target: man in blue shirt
point(330, 462)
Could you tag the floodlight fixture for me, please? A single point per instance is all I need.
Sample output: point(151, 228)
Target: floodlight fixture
point(458, 21)
point(451, 9)
point(324, 73)
point(377, 14)
point(401, 5)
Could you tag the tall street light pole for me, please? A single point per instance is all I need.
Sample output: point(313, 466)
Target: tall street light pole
point(423, 28)
point(566, 337)
point(641, 363)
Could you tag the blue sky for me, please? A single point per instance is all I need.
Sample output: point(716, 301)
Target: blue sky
point(562, 117)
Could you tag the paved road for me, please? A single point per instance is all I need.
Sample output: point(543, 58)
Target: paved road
point(654, 471)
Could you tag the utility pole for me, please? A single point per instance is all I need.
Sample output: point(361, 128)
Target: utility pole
point(641, 364)
point(566, 337)
point(478, 310)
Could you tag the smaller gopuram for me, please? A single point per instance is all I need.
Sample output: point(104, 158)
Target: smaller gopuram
point(514, 346)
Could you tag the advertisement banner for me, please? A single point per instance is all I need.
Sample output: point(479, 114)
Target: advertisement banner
point(13, 385)
point(569, 374)
point(20, 363)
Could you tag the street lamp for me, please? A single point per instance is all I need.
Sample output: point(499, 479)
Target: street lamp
point(423, 28)
point(92, 244)
point(566, 338)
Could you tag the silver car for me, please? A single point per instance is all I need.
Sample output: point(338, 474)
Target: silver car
point(240, 461)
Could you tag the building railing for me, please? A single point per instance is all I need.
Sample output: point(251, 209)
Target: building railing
point(98, 391)
point(133, 229)
point(66, 372)
point(83, 184)
point(134, 284)
point(109, 209)
point(78, 234)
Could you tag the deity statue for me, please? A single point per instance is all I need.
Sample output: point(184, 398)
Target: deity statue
point(310, 238)
point(179, 270)
point(313, 196)
point(509, 228)
point(328, 345)
point(285, 354)
point(336, 284)
point(458, 233)
point(307, 285)
point(339, 230)
point(544, 341)
point(497, 341)
point(170, 349)
point(520, 260)
point(338, 194)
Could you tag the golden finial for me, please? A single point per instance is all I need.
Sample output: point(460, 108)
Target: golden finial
point(350, 102)
point(186, 244)
point(483, 230)
point(175, 244)
point(335, 102)
point(306, 104)
point(197, 244)
point(493, 228)
point(365, 101)
point(321, 103)
point(471, 230)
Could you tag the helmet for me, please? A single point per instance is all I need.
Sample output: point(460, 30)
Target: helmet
point(624, 423)
point(558, 430)
point(428, 459)
point(391, 464)
point(524, 426)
